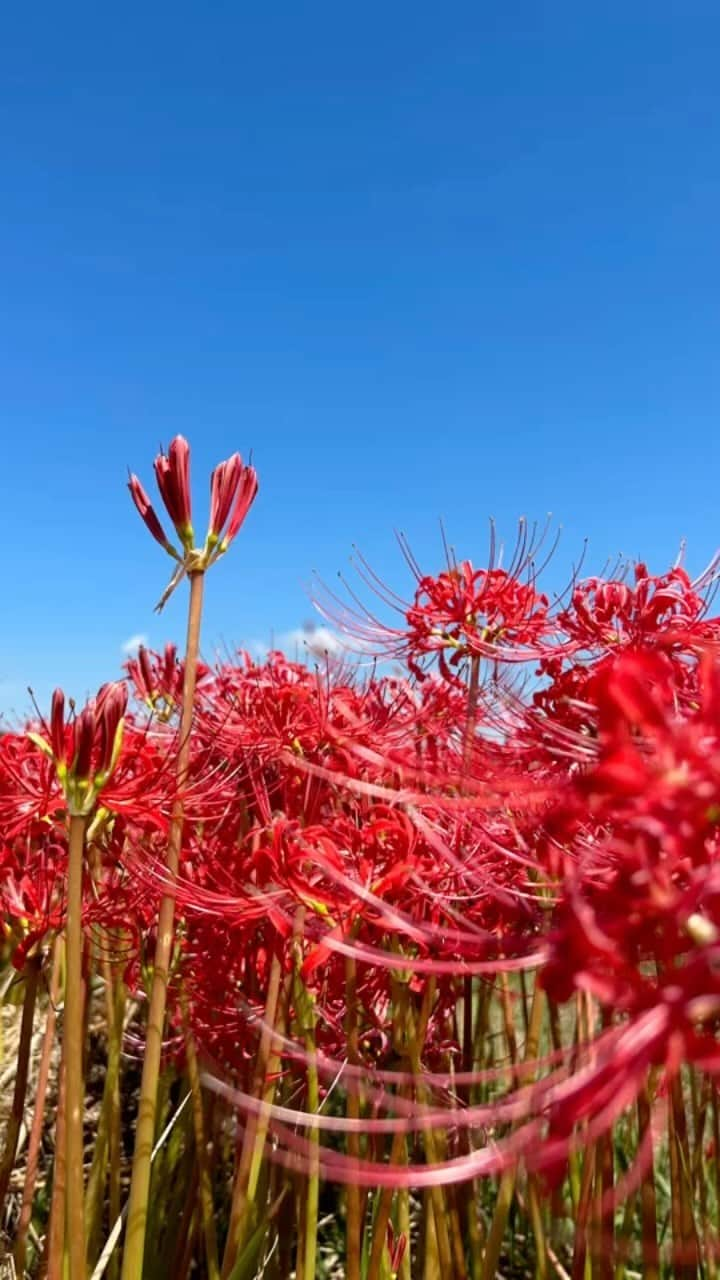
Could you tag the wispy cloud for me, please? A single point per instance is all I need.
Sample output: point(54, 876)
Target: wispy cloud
point(132, 644)
point(316, 640)
point(299, 642)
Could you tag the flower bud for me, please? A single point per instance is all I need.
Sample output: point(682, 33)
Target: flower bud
point(172, 472)
point(147, 513)
point(84, 729)
point(57, 725)
point(246, 492)
point(110, 709)
point(223, 483)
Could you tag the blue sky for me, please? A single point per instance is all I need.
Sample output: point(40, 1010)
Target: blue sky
point(425, 261)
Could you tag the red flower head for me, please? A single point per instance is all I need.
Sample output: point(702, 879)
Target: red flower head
point(233, 487)
point(479, 612)
point(85, 750)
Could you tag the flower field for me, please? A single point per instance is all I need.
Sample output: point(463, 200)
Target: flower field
point(401, 964)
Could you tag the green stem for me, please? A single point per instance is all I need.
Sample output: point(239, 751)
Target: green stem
point(55, 1239)
point(248, 1165)
point(38, 1120)
point(684, 1235)
point(95, 1195)
point(145, 1129)
point(538, 1229)
point(583, 1214)
point(450, 1253)
point(207, 1212)
point(506, 1190)
point(115, 1137)
point(73, 1035)
point(603, 1261)
point(354, 1223)
point(648, 1206)
point(398, 1150)
point(305, 1015)
point(403, 1221)
point(14, 1122)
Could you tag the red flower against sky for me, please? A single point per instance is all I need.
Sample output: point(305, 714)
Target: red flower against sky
point(463, 613)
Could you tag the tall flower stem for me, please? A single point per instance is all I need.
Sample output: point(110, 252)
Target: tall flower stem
point(683, 1221)
point(648, 1206)
point(306, 1024)
point(145, 1131)
point(205, 1193)
point(354, 1211)
point(12, 1131)
point(109, 1114)
point(469, 1193)
point(38, 1120)
point(55, 1238)
point(580, 1258)
point(73, 1034)
point(417, 1030)
point(115, 1136)
point(449, 1251)
point(248, 1165)
point(506, 1190)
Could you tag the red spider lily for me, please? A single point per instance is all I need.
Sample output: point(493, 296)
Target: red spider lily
point(233, 487)
point(85, 750)
point(460, 614)
point(638, 924)
point(660, 610)
point(32, 896)
point(342, 831)
point(475, 612)
point(158, 679)
point(30, 793)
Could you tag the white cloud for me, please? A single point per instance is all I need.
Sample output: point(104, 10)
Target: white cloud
point(132, 644)
point(317, 640)
point(257, 649)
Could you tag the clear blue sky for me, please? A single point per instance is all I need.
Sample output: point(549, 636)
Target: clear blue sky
point(426, 261)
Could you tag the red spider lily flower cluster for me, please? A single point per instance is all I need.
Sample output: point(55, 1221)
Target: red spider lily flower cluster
point(85, 749)
point(158, 679)
point(470, 612)
point(338, 825)
point(233, 489)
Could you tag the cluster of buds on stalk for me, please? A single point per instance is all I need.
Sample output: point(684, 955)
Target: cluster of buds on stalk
point(85, 749)
point(233, 487)
point(158, 679)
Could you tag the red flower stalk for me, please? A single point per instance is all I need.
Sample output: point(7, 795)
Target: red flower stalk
point(231, 482)
point(461, 614)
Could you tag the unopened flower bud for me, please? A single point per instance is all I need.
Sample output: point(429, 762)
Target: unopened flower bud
point(84, 729)
point(147, 513)
point(57, 726)
point(246, 493)
point(172, 472)
point(223, 483)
